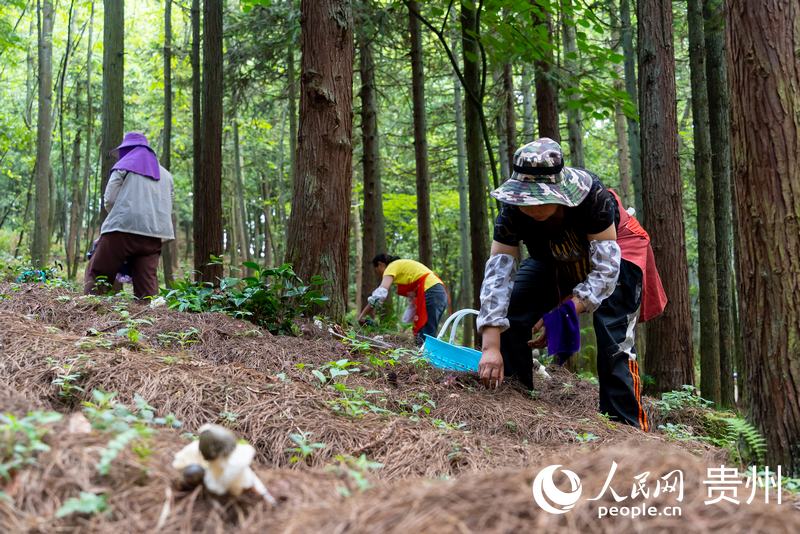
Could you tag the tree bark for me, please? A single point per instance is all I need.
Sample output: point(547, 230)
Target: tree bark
point(546, 92)
point(704, 194)
point(373, 234)
point(572, 66)
point(719, 109)
point(197, 116)
point(75, 210)
point(634, 134)
point(87, 172)
point(208, 239)
point(765, 141)
point(527, 106)
point(510, 102)
point(478, 183)
point(620, 130)
point(170, 249)
point(113, 91)
point(669, 338)
point(463, 215)
point(239, 193)
point(318, 244)
point(424, 238)
point(40, 248)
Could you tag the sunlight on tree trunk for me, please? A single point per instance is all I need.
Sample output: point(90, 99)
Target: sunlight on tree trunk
point(40, 248)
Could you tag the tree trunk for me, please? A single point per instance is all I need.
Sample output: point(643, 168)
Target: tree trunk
point(113, 91)
point(572, 66)
point(510, 102)
point(546, 93)
point(87, 173)
point(669, 338)
point(420, 139)
point(478, 185)
point(623, 149)
point(765, 94)
point(373, 236)
point(634, 134)
point(463, 215)
point(719, 109)
point(266, 200)
point(292, 86)
point(170, 249)
point(75, 210)
point(40, 248)
point(197, 116)
point(704, 191)
point(527, 107)
point(358, 243)
point(239, 192)
point(208, 239)
point(318, 245)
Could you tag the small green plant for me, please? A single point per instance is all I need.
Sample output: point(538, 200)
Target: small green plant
point(88, 504)
point(228, 417)
point(677, 432)
point(126, 425)
point(272, 297)
point(588, 377)
point(304, 449)
point(21, 439)
point(353, 401)
point(184, 339)
point(583, 437)
point(356, 470)
point(732, 432)
point(335, 369)
point(421, 404)
point(444, 425)
point(680, 399)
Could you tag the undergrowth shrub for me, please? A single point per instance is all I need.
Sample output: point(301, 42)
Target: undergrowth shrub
point(272, 297)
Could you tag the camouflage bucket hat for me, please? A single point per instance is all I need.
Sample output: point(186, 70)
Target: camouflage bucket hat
point(540, 177)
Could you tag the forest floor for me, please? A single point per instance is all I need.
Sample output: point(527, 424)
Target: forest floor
point(387, 444)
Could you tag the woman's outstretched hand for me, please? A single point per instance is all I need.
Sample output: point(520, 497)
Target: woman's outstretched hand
point(490, 368)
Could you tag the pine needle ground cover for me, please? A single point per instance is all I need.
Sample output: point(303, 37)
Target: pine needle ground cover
point(99, 393)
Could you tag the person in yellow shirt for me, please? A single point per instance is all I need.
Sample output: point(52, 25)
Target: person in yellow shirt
point(427, 298)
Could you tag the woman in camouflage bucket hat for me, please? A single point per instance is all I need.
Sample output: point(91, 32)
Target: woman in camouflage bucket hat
point(587, 254)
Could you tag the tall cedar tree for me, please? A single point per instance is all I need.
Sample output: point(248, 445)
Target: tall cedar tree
point(719, 119)
point(546, 92)
point(169, 250)
point(634, 133)
point(478, 183)
point(113, 76)
point(197, 109)
point(765, 95)
point(320, 218)
point(669, 356)
point(40, 249)
point(572, 65)
point(208, 192)
point(424, 237)
point(704, 194)
point(373, 234)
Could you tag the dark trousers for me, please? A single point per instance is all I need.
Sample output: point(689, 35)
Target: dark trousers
point(115, 248)
point(538, 289)
point(436, 304)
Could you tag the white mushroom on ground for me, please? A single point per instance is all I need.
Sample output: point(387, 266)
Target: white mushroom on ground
point(224, 464)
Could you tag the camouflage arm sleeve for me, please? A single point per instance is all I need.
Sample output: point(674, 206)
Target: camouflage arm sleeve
point(498, 280)
point(598, 286)
point(378, 296)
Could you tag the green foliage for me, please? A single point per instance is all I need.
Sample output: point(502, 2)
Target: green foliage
point(732, 432)
point(126, 425)
point(184, 338)
point(273, 297)
point(677, 431)
point(88, 504)
point(21, 439)
point(304, 449)
point(356, 470)
point(583, 437)
point(335, 369)
point(353, 402)
point(678, 400)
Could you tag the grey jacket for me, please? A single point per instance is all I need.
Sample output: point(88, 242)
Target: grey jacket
point(140, 205)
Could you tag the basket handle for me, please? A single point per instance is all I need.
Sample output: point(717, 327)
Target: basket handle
point(455, 319)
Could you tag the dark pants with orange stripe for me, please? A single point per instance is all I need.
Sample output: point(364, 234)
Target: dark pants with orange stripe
point(538, 288)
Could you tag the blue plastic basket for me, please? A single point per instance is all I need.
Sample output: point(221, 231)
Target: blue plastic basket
point(450, 356)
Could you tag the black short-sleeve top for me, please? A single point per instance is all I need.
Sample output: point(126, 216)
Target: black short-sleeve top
point(561, 238)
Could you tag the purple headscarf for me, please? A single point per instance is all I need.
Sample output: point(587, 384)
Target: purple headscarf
point(135, 155)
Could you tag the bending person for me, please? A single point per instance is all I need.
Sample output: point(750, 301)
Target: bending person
point(427, 298)
point(587, 255)
point(138, 198)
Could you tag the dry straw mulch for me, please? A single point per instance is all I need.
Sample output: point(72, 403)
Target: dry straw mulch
point(236, 374)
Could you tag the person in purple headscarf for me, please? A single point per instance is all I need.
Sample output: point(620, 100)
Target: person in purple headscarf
point(138, 198)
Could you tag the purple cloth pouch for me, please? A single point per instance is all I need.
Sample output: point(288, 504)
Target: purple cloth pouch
point(563, 331)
